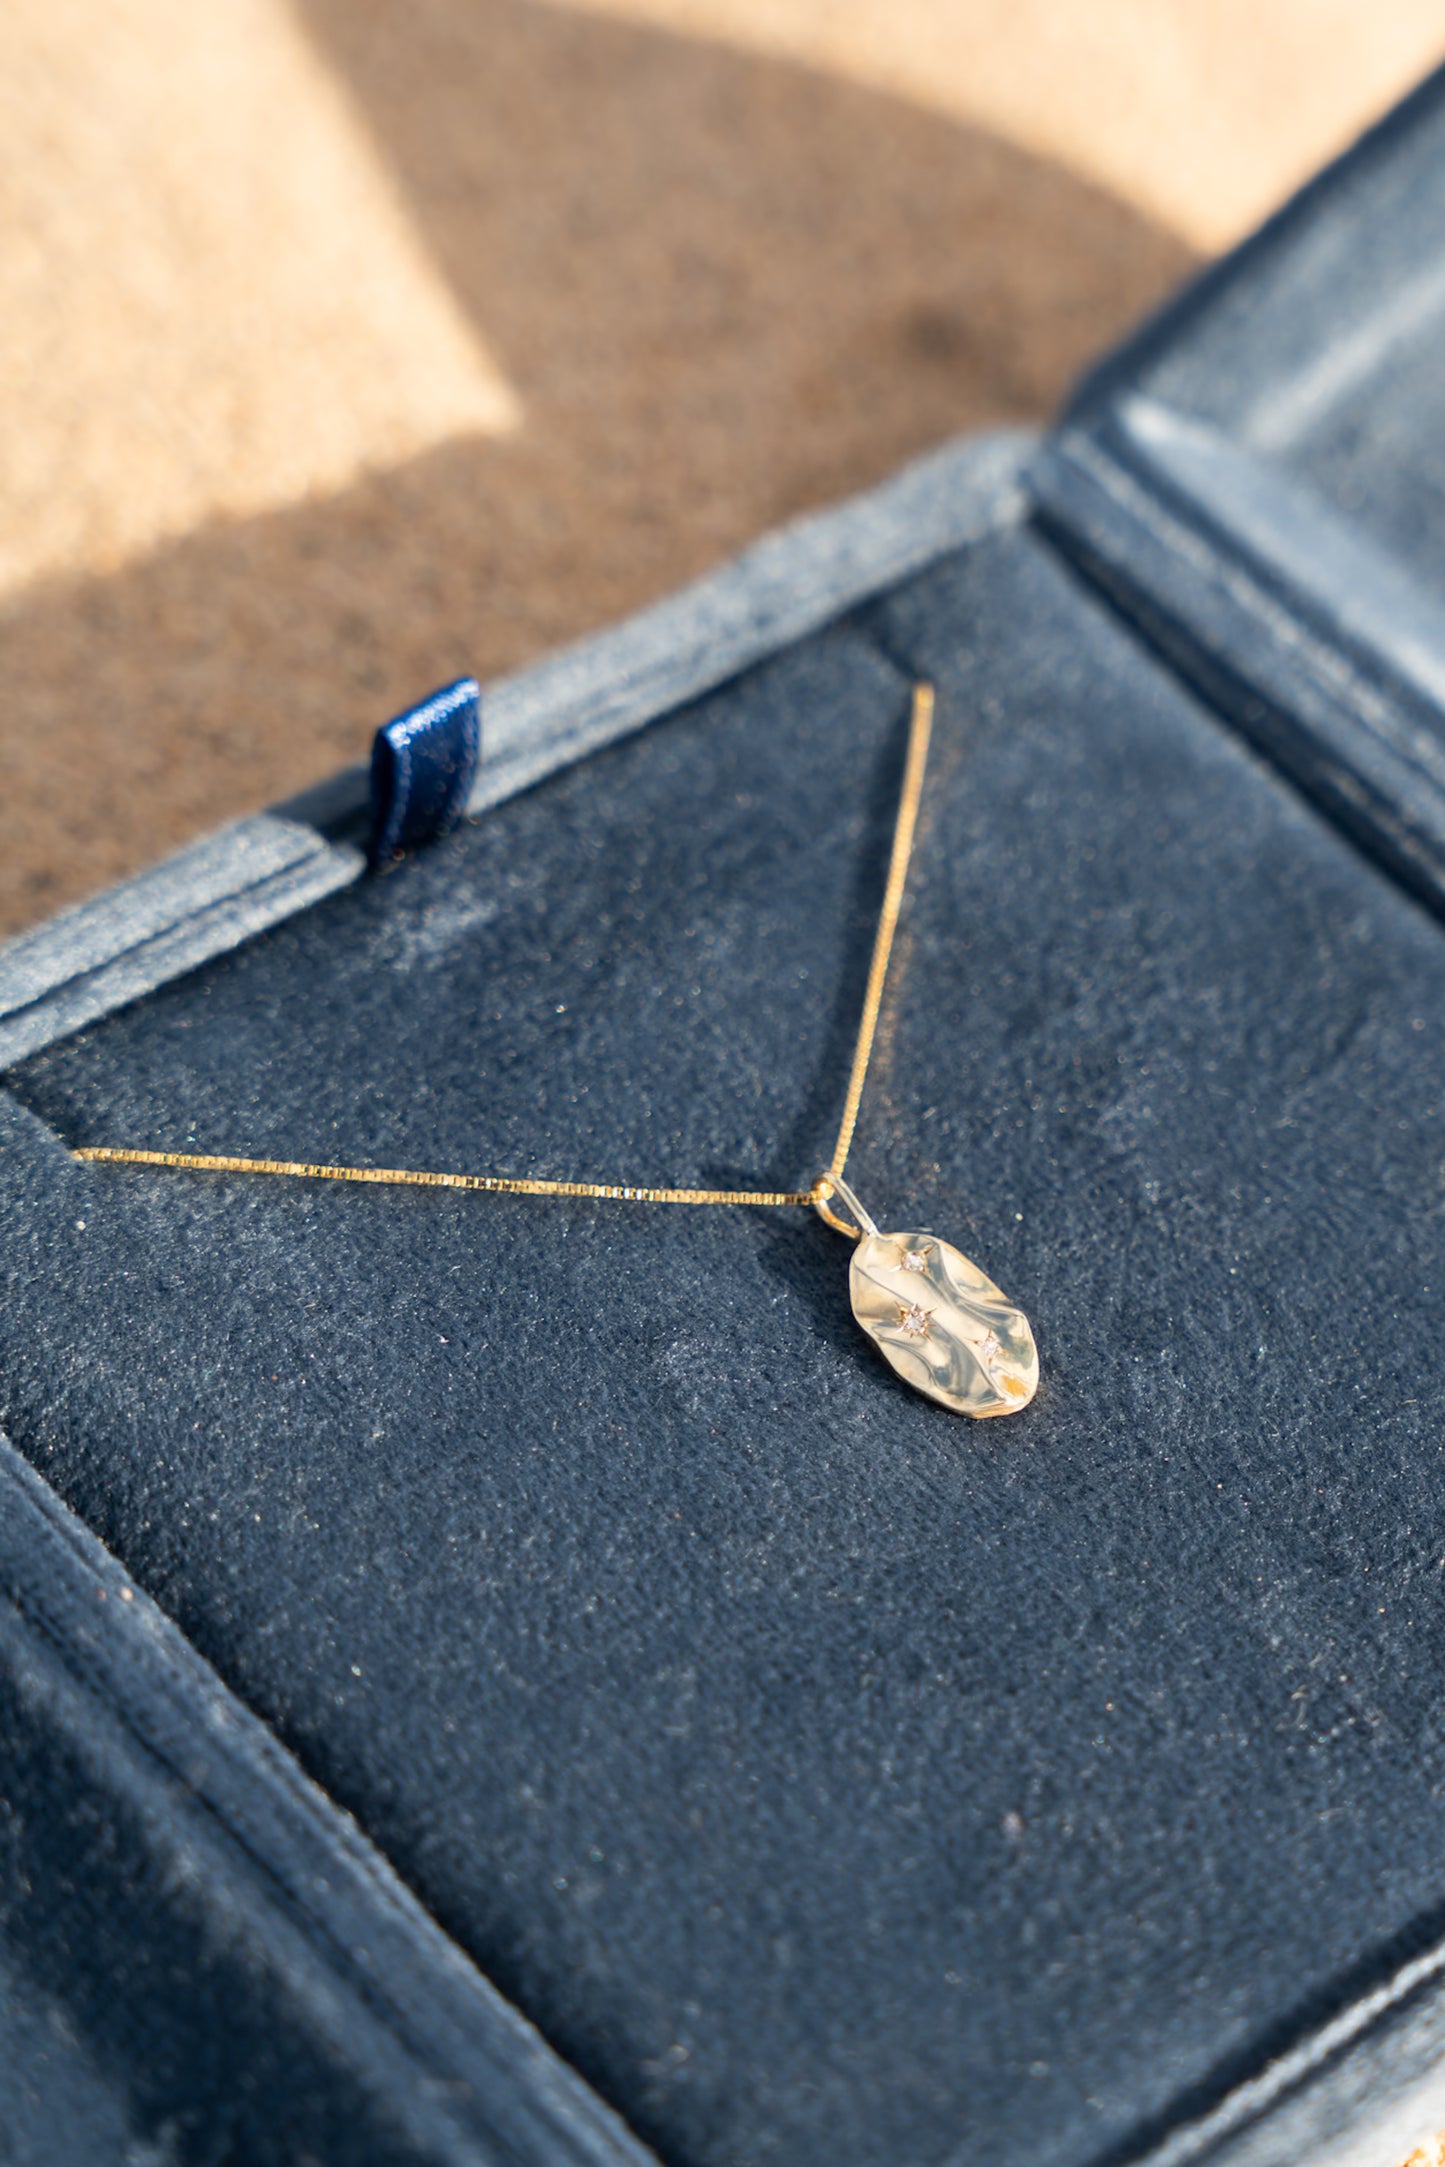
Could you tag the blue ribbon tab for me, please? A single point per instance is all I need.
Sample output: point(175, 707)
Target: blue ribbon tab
point(422, 766)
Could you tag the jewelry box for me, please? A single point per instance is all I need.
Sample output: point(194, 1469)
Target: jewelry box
point(497, 1679)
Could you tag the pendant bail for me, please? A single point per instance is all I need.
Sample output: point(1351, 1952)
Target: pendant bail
point(828, 1185)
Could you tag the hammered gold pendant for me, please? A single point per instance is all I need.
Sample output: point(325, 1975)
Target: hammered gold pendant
point(937, 1319)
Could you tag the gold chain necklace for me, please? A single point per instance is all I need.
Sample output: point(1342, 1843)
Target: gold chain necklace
point(941, 1324)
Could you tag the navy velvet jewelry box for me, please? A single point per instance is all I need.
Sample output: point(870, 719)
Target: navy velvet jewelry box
point(485, 1679)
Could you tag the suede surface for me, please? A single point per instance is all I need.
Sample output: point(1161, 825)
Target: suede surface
point(830, 1779)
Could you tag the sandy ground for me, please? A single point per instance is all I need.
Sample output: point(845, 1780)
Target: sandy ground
point(348, 344)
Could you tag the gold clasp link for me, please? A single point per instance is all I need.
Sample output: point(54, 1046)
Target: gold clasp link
point(830, 1185)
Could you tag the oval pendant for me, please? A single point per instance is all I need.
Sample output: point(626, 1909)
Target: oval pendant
point(942, 1325)
point(936, 1319)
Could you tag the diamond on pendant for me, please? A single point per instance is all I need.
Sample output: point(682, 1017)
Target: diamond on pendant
point(991, 1348)
point(914, 1260)
point(913, 1323)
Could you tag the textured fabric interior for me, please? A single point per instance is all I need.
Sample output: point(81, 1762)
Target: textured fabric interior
point(831, 1779)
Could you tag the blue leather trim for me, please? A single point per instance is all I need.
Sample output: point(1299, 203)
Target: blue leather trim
point(422, 766)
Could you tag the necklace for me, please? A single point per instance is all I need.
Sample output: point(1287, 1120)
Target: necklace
point(939, 1322)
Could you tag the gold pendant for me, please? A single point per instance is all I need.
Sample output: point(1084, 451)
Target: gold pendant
point(936, 1319)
